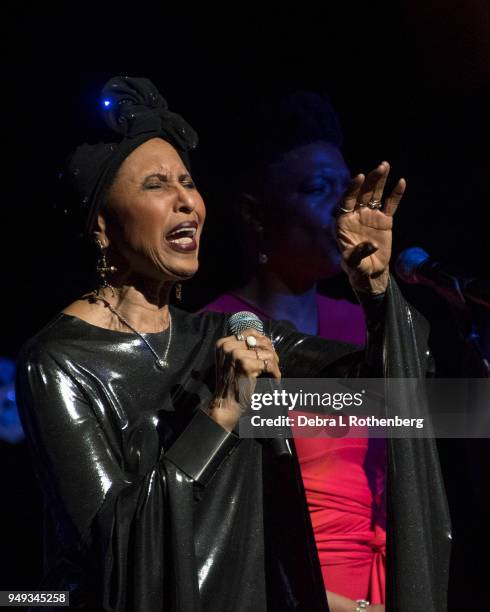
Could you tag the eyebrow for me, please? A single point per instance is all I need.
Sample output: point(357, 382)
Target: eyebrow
point(164, 177)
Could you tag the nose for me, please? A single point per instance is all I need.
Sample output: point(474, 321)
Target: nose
point(185, 200)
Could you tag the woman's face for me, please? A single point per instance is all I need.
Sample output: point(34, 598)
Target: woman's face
point(154, 213)
point(302, 192)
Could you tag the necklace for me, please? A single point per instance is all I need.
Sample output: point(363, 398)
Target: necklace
point(160, 362)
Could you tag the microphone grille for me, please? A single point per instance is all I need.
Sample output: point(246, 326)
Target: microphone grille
point(240, 321)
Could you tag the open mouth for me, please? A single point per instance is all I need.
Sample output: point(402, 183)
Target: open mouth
point(182, 237)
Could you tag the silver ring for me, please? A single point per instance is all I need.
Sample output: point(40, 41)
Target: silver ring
point(240, 337)
point(343, 210)
point(373, 204)
point(251, 341)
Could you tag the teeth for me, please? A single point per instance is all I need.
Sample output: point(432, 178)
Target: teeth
point(189, 231)
point(185, 240)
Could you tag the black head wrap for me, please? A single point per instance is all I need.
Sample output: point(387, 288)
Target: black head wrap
point(134, 111)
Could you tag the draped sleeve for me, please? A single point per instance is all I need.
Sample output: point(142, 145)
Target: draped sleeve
point(418, 522)
point(122, 523)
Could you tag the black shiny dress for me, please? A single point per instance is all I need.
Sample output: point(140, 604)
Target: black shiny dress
point(151, 506)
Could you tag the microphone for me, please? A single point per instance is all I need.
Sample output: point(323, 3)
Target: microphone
point(237, 323)
point(415, 266)
point(243, 320)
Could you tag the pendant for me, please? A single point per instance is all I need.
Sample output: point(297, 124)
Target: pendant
point(162, 364)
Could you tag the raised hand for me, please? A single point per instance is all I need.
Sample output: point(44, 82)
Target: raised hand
point(364, 229)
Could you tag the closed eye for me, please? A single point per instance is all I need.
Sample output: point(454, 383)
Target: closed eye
point(156, 181)
point(186, 181)
point(189, 185)
point(319, 187)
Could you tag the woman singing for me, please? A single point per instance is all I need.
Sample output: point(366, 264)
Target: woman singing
point(153, 503)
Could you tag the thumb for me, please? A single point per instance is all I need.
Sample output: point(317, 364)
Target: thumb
point(359, 252)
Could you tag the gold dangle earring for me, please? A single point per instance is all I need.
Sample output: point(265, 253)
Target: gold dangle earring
point(103, 269)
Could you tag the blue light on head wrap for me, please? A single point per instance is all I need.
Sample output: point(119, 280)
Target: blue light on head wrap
point(134, 111)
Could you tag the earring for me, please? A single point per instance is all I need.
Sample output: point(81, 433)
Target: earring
point(102, 267)
point(263, 259)
point(178, 291)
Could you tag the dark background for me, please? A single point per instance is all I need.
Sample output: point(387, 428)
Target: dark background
point(410, 82)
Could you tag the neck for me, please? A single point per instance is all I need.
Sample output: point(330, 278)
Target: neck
point(143, 304)
point(280, 299)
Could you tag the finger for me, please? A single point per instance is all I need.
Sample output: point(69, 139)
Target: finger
point(245, 333)
point(252, 332)
point(271, 356)
point(271, 369)
point(259, 340)
point(349, 200)
point(229, 345)
point(242, 357)
point(249, 366)
point(221, 341)
point(275, 356)
point(370, 184)
point(262, 343)
point(268, 364)
point(380, 185)
point(239, 355)
point(359, 252)
point(391, 203)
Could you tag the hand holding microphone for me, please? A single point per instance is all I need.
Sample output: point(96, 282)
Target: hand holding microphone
point(240, 358)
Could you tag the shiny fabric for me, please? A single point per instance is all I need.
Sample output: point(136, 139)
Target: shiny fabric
point(344, 479)
point(419, 527)
point(127, 530)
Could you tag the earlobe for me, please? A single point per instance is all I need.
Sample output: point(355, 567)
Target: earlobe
point(99, 234)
